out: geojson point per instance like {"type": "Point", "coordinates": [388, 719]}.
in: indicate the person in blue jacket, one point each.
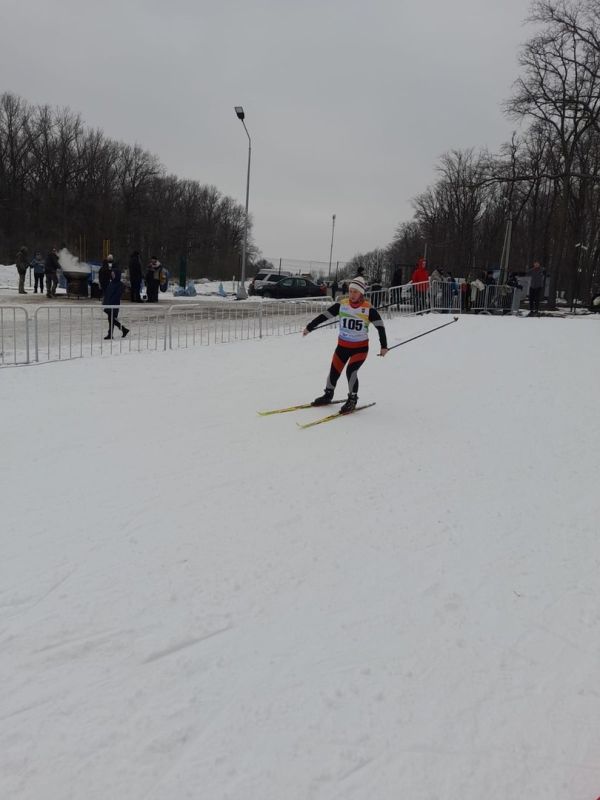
{"type": "Point", "coordinates": [112, 297]}
{"type": "Point", "coordinates": [38, 265]}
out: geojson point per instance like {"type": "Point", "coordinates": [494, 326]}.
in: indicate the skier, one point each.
{"type": "Point", "coordinates": [355, 313]}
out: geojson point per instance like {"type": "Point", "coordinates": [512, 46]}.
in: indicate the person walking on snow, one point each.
{"type": "Point", "coordinates": [355, 314]}
{"type": "Point", "coordinates": [112, 297]}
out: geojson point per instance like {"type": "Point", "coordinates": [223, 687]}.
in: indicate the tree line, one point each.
{"type": "Point", "coordinates": [543, 185]}
{"type": "Point", "coordinates": [62, 184]}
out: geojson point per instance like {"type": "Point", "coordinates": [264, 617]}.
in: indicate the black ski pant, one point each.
{"type": "Point", "coordinates": [38, 280]}
{"type": "Point", "coordinates": [113, 322]}
{"type": "Point", "coordinates": [535, 295]}
{"type": "Point", "coordinates": [136, 286]}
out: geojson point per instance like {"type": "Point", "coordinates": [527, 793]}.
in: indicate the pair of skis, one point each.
{"type": "Point", "coordinates": [328, 418]}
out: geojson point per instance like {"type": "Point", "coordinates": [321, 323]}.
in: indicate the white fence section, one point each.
{"type": "Point", "coordinates": [445, 297]}
{"type": "Point", "coordinates": [64, 332]}
{"type": "Point", "coordinates": [14, 335]}
{"type": "Point", "coordinates": [494, 299]}
{"type": "Point", "coordinates": [58, 332]}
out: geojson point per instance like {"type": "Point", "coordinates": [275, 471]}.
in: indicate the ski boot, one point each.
{"type": "Point", "coordinates": [350, 403]}
{"type": "Point", "coordinates": [325, 398]}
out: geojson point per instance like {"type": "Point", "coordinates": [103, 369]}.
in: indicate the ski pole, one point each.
{"type": "Point", "coordinates": [439, 327]}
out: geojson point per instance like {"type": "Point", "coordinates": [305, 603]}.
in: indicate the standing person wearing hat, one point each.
{"type": "Point", "coordinates": [356, 314]}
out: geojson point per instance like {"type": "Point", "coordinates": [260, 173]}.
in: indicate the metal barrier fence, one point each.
{"type": "Point", "coordinates": [494, 300]}
{"type": "Point", "coordinates": [446, 297]}
{"type": "Point", "coordinates": [14, 335]}
{"type": "Point", "coordinates": [58, 332]}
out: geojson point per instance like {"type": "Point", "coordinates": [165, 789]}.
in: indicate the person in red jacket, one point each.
{"type": "Point", "coordinates": [420, 281]}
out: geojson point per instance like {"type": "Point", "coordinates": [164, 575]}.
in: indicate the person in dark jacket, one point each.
{"type": "Point", "coordinates": [21, 263]}
{"type": "Point", "coordinates": [536, 287]}
{"type": "Point", "coordinates": [112, 297]}
{"type": "Point", "coordinates": [135, 276]}
{"type": "Point", "coordinates": [152, 280]}
{"type": "Point", "coordinates": [104, 274]}
{"type": "Point", "coordinates": [52, 265]}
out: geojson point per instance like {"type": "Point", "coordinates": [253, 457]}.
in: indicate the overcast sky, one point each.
{"type": "Point", "coordinates": [349, 104]}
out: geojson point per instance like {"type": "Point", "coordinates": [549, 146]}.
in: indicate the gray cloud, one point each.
{"type": "Point", "coordinates": [349, 104]}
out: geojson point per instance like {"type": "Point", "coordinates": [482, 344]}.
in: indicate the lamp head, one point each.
{"type": "Point", "coordinates": [240, 112]}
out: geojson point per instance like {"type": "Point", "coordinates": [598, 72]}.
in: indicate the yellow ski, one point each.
{"type": "Point", "coordinates": [294, 408]}
{"type": "Point", "coordinates": [331, 417]}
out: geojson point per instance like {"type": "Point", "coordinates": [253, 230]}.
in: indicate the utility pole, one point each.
{"type": "Point", "coordinates": [331, 248]}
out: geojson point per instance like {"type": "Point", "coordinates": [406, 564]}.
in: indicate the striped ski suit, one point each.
{"type": "Point", "coordinates": [353, 338]}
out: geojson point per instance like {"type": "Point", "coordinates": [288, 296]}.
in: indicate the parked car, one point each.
{"type": "Point", "coordinates": [265, 277]}
{"type": "Point", "coordinates": [290, 287]}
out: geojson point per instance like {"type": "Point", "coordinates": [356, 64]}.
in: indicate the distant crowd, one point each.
{"type": "Point", "coordinates": [153, 277]}
{"type": "Point", "coordinates": [464, 292]}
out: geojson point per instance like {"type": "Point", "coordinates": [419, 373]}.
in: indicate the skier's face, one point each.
{"type": "Point", "coordinates": [354, 295]}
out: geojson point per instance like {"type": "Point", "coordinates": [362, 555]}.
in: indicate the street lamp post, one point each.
{"type": "Point", "coordinates": [331, 248]}
{"type": "Point", "coordinates": [241, 290]}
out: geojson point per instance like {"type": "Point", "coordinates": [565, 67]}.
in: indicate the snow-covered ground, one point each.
{"type": "Point", "coordinates": [198, 602]}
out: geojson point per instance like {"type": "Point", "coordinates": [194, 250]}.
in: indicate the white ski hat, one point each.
{"type": "Point", "coordinates": [359, 284]}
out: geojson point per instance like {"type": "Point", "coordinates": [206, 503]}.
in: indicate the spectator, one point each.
{"type": "Point", "coordinates": [516, 287]}
{"type": "Point", "coordinates": [135, 276]}
{"type": "Point", "coordinates": [21, 264]}
{"type": "Point", "coordinates": [420, 281]}
{"type": "Point", "coordinates": [353, 343]}
{"type": "Point", "coordinates": [536, 286]}
{"type": "Point", "coordinates": [104, 274]}
{"type": "Point", "coordinates": [345, 288]}
{"type": "Point", "coordinates": [112, 297]}
{"type": "Point", "coordinates": [152, 279]}
{"type": "Point", "coordinates": [453, 290]}
{"type": "Point", "coordinates": [465, 296]}
{"type": "Point", "coordinates": [51, 270]}
{"type": "Point", "coordinates": [334, 288]}
{"type": "Point", "coordinates": [38, 266]}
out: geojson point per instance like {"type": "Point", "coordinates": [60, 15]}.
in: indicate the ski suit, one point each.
{"type": "Point", "coordinates": [353, 338]}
